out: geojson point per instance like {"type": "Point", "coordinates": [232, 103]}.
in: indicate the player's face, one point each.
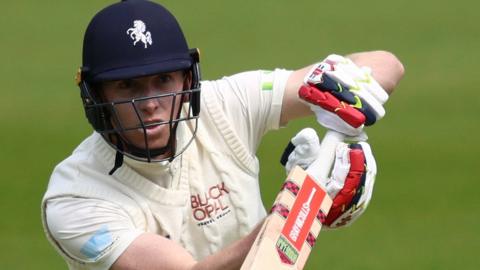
{"type": "Point", "coordinates": [162, 108]}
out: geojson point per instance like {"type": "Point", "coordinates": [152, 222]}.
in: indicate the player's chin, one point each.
{"type": "Point", "coordinates": [157, 143]}
{"type": "Point", "coordinates": [157, 136]}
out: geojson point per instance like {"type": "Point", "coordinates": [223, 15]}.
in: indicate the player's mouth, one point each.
{"type": "Point", "coordinates": [153, 127]}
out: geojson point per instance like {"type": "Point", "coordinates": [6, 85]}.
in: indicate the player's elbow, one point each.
{"type": "Point", "coordinates": [395, 69]}
{"type": "Point", "coordinates": [397, 66]}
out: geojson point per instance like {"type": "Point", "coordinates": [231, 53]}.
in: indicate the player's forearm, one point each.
{"type": "Point", "coordinates": [153, 252]}
{"type": "Point", "coordinates": [231, 257]}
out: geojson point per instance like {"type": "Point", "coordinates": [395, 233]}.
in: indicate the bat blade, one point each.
{"type": "Point", "coordinates": [290, 231]}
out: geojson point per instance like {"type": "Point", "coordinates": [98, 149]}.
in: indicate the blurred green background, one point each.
{"type": "Point", "coordinates": [425, 210]}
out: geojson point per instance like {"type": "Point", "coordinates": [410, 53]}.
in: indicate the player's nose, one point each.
{"type": "Point", "coordinates": [149, 105]}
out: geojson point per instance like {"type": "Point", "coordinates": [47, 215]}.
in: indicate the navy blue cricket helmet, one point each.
{"type": "Point", "coordinates": [131, 39]}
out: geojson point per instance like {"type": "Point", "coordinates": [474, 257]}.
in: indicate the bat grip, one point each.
{"type": "Point", "coordinates": [322, 166]}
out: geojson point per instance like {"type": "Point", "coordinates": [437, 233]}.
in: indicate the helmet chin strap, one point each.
{"type": "Point", "coordinates": [140, 152]}
{"type": "Point", "coordinates": [118, 156]}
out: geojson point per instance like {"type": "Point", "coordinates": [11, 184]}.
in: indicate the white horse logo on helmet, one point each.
{"type": "Point", "coordinates": [137, 33]}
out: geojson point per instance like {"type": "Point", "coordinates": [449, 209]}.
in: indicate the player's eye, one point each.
{"type": "Point", "coordinates": [124, 84]}
{"type": "Point", "coordinates": [164, 78]}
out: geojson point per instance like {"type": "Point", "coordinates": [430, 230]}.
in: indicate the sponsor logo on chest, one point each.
{"type": "Point", "coordinates": [211, 205]}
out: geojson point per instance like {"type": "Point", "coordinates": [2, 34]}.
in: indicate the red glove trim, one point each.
{"type": "Point", "coordinates": [330, 103]}
{"type": "Point", "coordinates": [352, 185]}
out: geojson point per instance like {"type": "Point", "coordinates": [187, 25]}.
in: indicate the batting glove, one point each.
{"type": "Point", "coordinates": [351, 182]}
{"type": "Point", "coordinates": [343, 96]}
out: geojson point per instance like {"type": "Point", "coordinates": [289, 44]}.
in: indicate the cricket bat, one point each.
{"type": "Point", "coordinates": [291, 229]}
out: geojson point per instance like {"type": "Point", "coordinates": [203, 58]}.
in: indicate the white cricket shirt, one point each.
{"type": "Point", "coordinates": [205, 199]}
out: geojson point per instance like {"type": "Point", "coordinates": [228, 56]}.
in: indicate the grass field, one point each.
{"type": "Point", "coordinates": [424, 214]}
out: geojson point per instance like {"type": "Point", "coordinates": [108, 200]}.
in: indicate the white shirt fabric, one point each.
{"type": "Point", "coordinates": [204, 199]}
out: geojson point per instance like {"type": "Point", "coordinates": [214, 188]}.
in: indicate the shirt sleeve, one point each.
{"type": "Point", "coordinates": [92, 232]}
{"type": "Point", "coordinates": [252, 102]}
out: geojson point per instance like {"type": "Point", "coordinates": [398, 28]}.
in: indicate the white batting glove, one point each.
{"type": "Point", "coordinates": [351, 182]}
{"type": "Point", "coordinates": [343, 96]}
{"type": "Point", "coordinates": [302, 150]}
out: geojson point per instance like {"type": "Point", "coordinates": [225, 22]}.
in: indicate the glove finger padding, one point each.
{"type": "Point", "coordinates": [343, 70]}
{"type": "Point", "coordinates": [354, 94]}
{"type": "Point", "coordinates": [351, 184]}
{"type": "Point", "coordinates": [362, 78]}
{"type": "Point", "coordinates": [333, 83]}
{"type": "Point", "coordinates": [340, 170]}
{"type": "Point", "coordinates": [336, 86]}
{"type": "Point", "coordinates": [359, 82]}
{"type": "Point", "coordinates": [302, 150]}
{"type": "Point", "coordinates": [331, 103]}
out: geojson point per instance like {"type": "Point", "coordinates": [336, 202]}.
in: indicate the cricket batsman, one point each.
{"type": "Point", "coordinates": [168, 179]}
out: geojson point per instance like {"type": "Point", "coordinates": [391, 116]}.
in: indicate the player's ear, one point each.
{"type": "Point", "coordinates": [187, 82]}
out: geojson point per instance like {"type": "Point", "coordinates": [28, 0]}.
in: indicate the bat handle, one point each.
{"type": "Point", "coordinates": [322, 166]}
